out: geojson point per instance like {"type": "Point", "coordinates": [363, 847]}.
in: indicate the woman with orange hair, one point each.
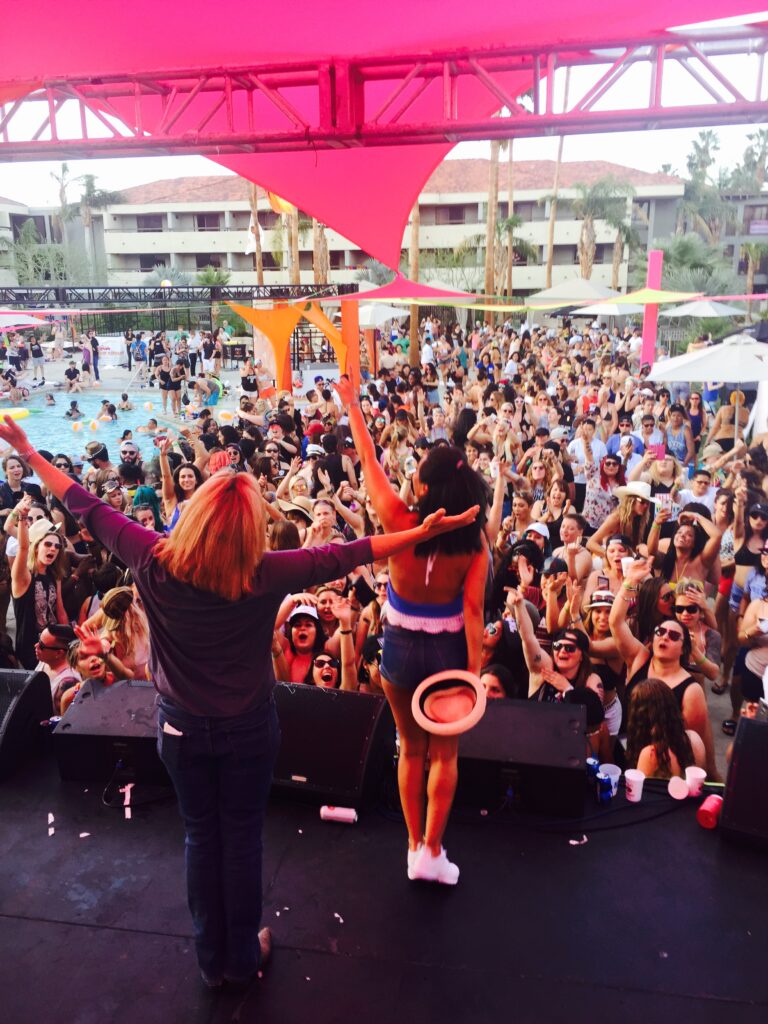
{"type": "Point", "coordinates": [211, 591]}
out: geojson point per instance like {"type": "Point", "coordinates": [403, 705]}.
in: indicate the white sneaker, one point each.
{"type": "Point", "coordinates": [412, 855]}
{"type": "Point", "coordinates": [428, 868]}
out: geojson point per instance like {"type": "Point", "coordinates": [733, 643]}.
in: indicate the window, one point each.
{"type": "Point", "coordinates": [150, 222]}
{"type": "Point", "coordinates": [203, 260]}
{"type": "Point", "coordinates": [336, 259]}
{"type": "Point", "coordinates": [149, 261]}
{"type": "Point", "coordinates": [268, 219]}
{"type": "Point", "coordinates": [450, 215]}
{"type": "Point", "coordinates": [206, 221]}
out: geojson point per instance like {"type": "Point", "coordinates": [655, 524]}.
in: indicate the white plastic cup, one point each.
{"type": "Point", "coordinates": [677, 788]}
{"type": "Point", "coordinates": [695, 778]}
{"type": "Point", "coordinates": [626, 564]}
{"type": "Point", "coordinates": [633, 781]}
{"type": "Point", "coordinates": [614, 774]}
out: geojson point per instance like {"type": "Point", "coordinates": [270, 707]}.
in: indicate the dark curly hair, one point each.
{"type": "Point", "coordinates": [656, 720]}
{"type": "Point", "coordinates": [452, 485]}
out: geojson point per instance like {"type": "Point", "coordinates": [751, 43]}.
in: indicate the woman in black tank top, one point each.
{"type": "Point", "coordinates": [666, 660]}
{"type": "Point", "coordinates": [36, 577]}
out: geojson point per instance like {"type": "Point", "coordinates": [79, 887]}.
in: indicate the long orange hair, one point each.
{"type": "Point", "coordinates": [220, 538]}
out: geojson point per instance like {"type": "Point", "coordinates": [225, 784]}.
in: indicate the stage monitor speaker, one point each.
{"type": "Point", "coordinates": [528, 752]}
{"type": "Point", "coordinates": [110, 726]}
{"type": "Point", "coordinates": [336, 745]}
{"type": "Point", "coordinates": [25, 702]}
{"type": "Point", "coordinates": [745, 804]}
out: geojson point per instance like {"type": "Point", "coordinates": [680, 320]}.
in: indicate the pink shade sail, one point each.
{"type": "Point", "coordinates": [404, 290]}
{"type": "Point", "coordinates": [365, 194]}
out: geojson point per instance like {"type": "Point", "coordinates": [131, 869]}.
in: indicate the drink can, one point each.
{"type": "Point", "coordinates": [604, 789]}
{"type": "Point", "coordinates": [593, 767]}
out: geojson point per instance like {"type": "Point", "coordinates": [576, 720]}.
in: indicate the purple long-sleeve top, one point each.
{"type": "Point", "coordinates": [211, 656]}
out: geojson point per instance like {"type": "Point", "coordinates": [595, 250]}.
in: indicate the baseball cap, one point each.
{"type": "Point", "coordinates": [303, 609]}
{"type": "Point", "coordinates": [129, 446]}
{"type": "Point", "coordinates": [347, 442]}
{"type": "Point", "coordinates": [41, 528]}
{"type": "Point", "coordinates": [559, 433]}
{"type": "Point", "coordinates": [555, 566]}
{"type": "Point", "coordinates": [539, 528]}
{"type": "Point", "coordinates": [315, 427]}
{"type": "Point", "coordinates": [315, 449]}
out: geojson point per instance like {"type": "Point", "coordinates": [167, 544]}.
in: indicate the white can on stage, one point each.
{"type": "Point", "coordinates": [346, 814]}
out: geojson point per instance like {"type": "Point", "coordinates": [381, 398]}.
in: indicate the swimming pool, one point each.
{"type": "Point", "coordinates": [49, 429]}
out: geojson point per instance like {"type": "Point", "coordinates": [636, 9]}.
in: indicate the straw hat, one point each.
{"type": "Point", "coordinates": [636, 489]}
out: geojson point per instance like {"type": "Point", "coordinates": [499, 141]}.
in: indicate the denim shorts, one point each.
{"type": "Point", "coordinates": [409, 656]}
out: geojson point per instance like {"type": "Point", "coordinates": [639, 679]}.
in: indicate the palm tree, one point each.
{"type": "Point", "coordinates": [35, 261]}
{"type": "Point", "coordinates": [258, 256]}
{"type": "Point", "coordinates": [625, 236]}
{"type": "Point", "coordinates": [65, 211]}
{"type": "Point", "coordinates": [320, 260]}
{"type": "Point", "coordinates": [510, 214]}
{"type": "Point", "coordinates": [211, 275]}
{"type": "Point", "coordinates": [414, 357]}
{"type": "Point", "coordinates": [375, 272]}
{"type": "Point", "coordinates": [690, 265]}
{"type": "Point", "coordinates": [502, 251]}
{"type": "Point", "coordinates": [93, 199]}
{"type": "Point", "coordinates": [598, 201]}
{"type": "Point", "coordinates": [173, 274]}
{"type": "Point", "coordinates": [754, 253]}
{"type": "Point", "coordinates": [492, 216]}
{"type": "Point", "coordinates": [555, 187]}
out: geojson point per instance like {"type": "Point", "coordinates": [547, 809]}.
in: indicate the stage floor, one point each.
{"type": "Point", "coordinates": [658, 921]}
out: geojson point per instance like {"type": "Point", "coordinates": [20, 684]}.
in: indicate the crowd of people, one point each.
{"type": "Point", "coordinates": [625, 528]}
{"type": "Point", "coordinates": [523, 505]}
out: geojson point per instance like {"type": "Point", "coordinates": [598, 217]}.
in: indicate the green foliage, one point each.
{"type": "Point", "coordinates": [375, 272]}
{"type": "Point", "coordinates": [690, 265]}
{"type": "Point", "coordinates": [172, 274]}
{"type": "Point", "coordinates": [211, 275]}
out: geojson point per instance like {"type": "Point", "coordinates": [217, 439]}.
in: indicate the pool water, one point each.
{"type": "Point", "coordinates": [49, 429]}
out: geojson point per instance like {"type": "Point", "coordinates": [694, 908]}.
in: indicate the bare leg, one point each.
{"type": "Point", "coordinates": [441, 787]}
{"type": "Point", "coordinates": [410, 767]}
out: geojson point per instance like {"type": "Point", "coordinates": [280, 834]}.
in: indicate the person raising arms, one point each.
{"type": "Point", "coordinates": [211, 599]}
{"type": "Point", "coordinates": [434, 621]}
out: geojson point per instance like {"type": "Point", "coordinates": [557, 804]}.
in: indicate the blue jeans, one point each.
{"type": "Point", "coordinates": [409, 656]}
{"type": "Point", "coordinates": [95, 365]}
{"type": "Point", "coordinates": [221, 769]}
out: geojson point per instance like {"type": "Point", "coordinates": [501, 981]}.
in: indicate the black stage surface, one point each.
{"type": "Point", "coordinates": [661, 921]}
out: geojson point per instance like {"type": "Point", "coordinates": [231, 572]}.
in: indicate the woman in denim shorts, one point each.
{"type": "Point", "coordinates": [434, 621]}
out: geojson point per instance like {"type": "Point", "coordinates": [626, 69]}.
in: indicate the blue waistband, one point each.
{"type": "Point", "coordinates": [429, 611]}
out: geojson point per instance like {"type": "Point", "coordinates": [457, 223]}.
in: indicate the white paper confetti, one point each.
{"type": "Point", "coordinates": [339, 918]}
{"type": "Point", "coordinates": [51, 829]}
{"type": "Point", "coordinates": [307, 979]}
{"type": "Point", "coordinates": [301, 831]}
{"type": "Point", "coordinates": [84, 835]}
{"type": "Point", "coordinates": [483, 813]}
{"type": "Point", "coordinates": [286, 908]}
{"type": "Point", "coordinates": [126, 791]}
{"type": "Point", "coordinates": [578, 842]}
{"type": "Point", "coordinates": [663, 955]}
{"type": "Point", "coordinates": [277, 913]}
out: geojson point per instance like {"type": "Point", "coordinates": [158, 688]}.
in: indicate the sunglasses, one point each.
{"type": "Point", "coordinates": [47, 647]}
{"type": "Point", "coordinates": [379, 586]}
{"type": "Point", "coordinates": [566, 646]}
{"type": "Point", "coordinates": [63, 465]}
{"type": "Point", "coordinates": [611, 462]}
{"type": "Point", "coordinates": [324, 662]}
{"type": "Point", "coordinates": [52, 545]}
{"type": "Point", "coordinates": [662, 631]}
{"type": "Point", "coordinates": [759, 515]}
{"type": "Point", "coordinates": [681, 609]}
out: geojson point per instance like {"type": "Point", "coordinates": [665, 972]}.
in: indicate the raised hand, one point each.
{"type": "Point", "coordinates": [438, 522]}
{"type": "Point", "coordinates": [346, 391]}
{"type": "Point", "coordinates": [12, 434]}
{"type": "Point", "coordinates": [90, 641]}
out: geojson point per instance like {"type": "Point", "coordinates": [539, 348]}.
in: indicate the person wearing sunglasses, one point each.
{"type": "Point", "coordinates": [36, 575]}
{"type": "Point", "coordinates": [692, 610]}
{"type": "Point", "coordinates": [567, 668]}
{"type": "Point", "coordinates": [693, 548]}
{"type": "Point", "coordinates": [600, 498]}
{"type": "Point", "coordinates": [51, 650]}
{"type": "Point", "coordinates": [668, 659]}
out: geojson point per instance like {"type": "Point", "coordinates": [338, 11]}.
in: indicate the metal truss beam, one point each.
{"type": "Point", "coordinates": [263, 108]}
{"type": "Point", "coordinates": [79, 296]}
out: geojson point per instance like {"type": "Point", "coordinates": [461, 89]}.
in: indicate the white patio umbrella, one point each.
{"type": "Point", "coordinates": [608, 309]}
{"type": "Point", "coordinates": [375, 314]}
{"type": "Point", "coordinates": [8, 321]}
{"type": "Point", "coordinates": [737, 360]}
{"type": "Point", "coordinates": [703, 308]}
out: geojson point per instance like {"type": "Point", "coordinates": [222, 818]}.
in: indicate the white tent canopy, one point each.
{"type": "Point", "coordinates": [703, 308]}
{"type": "Point", "coordinates": [10, 321]}
{"type": "Point", "coordinates": [570, 292]}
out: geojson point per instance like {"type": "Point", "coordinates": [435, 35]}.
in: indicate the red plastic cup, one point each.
{"type": "Point", "coordinates": [708, 813]}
